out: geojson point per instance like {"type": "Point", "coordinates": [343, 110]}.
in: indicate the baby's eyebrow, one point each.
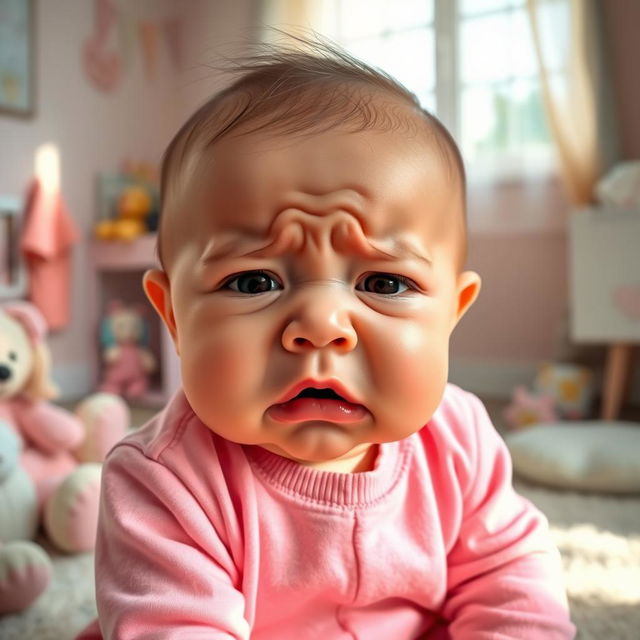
{"type": "Point", "coordinates": [255, 246]}
{"type": "Point", "coordinates": [218, 248]}
{"type": "Point", "coordinates": [400, 249]}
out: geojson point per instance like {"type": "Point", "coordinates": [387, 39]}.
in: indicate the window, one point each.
{"type": "Point", "coordinates": [472, 63]}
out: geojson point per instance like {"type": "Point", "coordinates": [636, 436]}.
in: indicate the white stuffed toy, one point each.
{"type": "Point", "coordinates": [60, 450]}
{"type": "Point", "coordinates": [25, 568]}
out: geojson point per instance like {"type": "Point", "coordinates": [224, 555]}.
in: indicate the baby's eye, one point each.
{"type": "Point", "coordinates": [385, 284]}
{"type": "Point", "coordinates": [252, 282]}
{"type": "Point", "coordinates": [13, 356]}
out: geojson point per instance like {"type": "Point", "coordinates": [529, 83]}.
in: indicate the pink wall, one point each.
{"type": "Point", "coordinates": [95, 130]}
{"type": "Point", "coordinates": [622, 30]}
{"type": "Point", "coordinates": [519, 313]}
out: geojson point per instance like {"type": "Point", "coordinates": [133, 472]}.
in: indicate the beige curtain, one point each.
{"type": "Point", "coordinates": [570, 98]}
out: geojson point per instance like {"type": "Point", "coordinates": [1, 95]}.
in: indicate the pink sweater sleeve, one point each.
{"type": "Point", "coordinates": [504, 574]}
{"type": "Point", "coordinates": [160, 565]}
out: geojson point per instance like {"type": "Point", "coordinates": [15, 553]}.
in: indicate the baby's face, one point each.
{"type": "Point", "coordinates": [312, 287]}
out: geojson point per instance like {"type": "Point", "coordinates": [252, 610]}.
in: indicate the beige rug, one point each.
{"type": "Point", "coordinates": [599, 537]}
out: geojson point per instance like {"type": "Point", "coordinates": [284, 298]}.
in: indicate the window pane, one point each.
{"type": "Point", "coordinates": [504, 119]}
{"type": "Point", "coordinates": [521, 50]}
{"type": "Point", "coordinates": [408, 14]}
{"type": "Point", "coordinates": [472, 7]}
{"type": "Point", "coordinates": [555, 27]}
{"type": "Point", "coordinates": [366, 18]}
{"type": "Point", "coordinates": [429, 101]}
{"type": "Point", "coordinates": [478, 118]}
{"type": "Point", "coordinates": [408, 56]}
{"type": "Point", "coordinates": [496, 47]}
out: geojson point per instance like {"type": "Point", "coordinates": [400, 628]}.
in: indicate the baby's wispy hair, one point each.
{"type": "Point", "coordinates": [306, 88]}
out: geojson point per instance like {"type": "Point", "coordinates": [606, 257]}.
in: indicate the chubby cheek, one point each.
{"type": "Point", "coordinates": [222, 369]}
{"type": "Point", "coordinates": [411, 372]}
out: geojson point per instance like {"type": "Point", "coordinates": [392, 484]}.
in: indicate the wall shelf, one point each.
{"type": "Point", "coordinates": [138, 254]}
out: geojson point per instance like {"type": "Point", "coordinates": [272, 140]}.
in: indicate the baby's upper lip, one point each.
{"type": "Point", "coordinates": [309, 383]}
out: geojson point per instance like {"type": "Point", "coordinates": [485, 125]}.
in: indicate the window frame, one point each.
{"type": "Point", "coordinates": [449, 89]}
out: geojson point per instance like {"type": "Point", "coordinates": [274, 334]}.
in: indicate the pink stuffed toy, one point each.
{"type": "Point", "coordinates": [127, 360]}
{"type": "Point", "coordinates": [59, 450]}
{"type": "Point", "coordinates": [527, 409]}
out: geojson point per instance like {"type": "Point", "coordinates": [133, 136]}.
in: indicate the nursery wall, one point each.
{"type": "Point", "coordinates": [94, 130]}
{"type": "Point", "coordinates": [621, 21]}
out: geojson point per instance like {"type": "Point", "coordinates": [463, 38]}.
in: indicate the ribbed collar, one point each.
{"type": "Point", "coordinates": [330, 487]}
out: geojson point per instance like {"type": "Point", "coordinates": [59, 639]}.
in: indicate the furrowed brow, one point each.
{"type": "Point", "coordinates": [400, 249]}
{"type": "Point", "coordinates": [256, 247]}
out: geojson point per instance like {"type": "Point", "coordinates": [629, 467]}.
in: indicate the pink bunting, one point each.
{"type": "Point", "coordinates": [173, 38]}
{"type": "Point", "coordinates": [148, 34]}
{"type": "Point", "coordinates": [102, 65]}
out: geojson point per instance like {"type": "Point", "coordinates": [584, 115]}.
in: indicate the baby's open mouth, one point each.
{"type": "Point", "coordinates": [310, 392]}
{"type": "Point", "coordinates": [323, 404]}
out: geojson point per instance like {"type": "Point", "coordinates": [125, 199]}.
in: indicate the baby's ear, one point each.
{"type": "Point", "coordinates": [158, 289]}
{"type": "Point", "coordinates": [468, 288]}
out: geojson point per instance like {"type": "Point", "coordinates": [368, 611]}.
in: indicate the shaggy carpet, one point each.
{"type": "Point", "coordinates": [599, 539]}
{"type": "Point", "coordinates": [598, 536]}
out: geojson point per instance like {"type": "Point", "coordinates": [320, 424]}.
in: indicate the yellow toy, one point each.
{"type": "Point", "coordinates": [134, 205]}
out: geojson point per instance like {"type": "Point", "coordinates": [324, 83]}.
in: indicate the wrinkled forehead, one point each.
{"type": "Point", "coordinates": [390, 181]}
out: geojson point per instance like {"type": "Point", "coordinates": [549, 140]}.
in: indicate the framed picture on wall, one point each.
{"type": "Point", "coordinates": [13, 274]}
{"type": "Point", "coordinates": [17, 57]}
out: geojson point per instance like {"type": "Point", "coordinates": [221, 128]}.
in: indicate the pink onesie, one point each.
{"type": "Point", "coordinates": [203, 538]}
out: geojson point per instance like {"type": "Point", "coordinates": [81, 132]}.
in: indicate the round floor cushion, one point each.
{"type": "Point", "coordinates": [590, 455]}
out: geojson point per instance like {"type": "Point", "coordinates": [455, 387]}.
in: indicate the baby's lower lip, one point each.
{"type": "Point", "coordinates": [334, 410]}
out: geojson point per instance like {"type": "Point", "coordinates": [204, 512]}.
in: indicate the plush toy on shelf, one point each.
{"type": "Point", "coordinates": [128, 362]}
{"type": "Point", "coordinates": [59, 450]}
{"type": "Point", "coordinates": [134, 205]}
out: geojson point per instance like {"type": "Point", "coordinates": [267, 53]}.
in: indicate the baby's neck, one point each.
{"type": "Point", "coordinates": [360, 461]}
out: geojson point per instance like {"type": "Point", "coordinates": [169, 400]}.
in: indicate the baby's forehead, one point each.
{"type": "Point", "coordinates": [385, 186]}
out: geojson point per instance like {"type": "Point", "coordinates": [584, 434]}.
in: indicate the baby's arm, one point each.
{"type": "Point", "coordinates": [504, 574]}
{"type": "Point", "coordinates": [162, 571]}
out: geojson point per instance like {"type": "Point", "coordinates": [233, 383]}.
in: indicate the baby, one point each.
{"type": "Point", "coordinates": [316, 476]}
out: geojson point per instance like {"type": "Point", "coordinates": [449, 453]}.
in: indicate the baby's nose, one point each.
{"type": "Point", "coordinates": [5, 372]}
{"type": "Point", "coordinates": [321, 318]}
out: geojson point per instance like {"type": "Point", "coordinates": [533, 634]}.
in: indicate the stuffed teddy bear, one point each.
{"type": "Point", "coordinates": [128, 362]}
{"type": "Point", "coordinates": [60, 451]}
{"type": "Point", "coordinates": [25, 568]}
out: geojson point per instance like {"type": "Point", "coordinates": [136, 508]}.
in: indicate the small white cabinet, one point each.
{"type": "Point", "coordinates": [604, 273]}
{"type": "Point", "coordinates": [119, 267]}
{"type": "Point", "coordinates": [605, 276]}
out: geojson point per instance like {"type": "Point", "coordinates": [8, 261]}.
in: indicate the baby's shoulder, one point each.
{"type": "Point", "coordinates": [457, 423]}
{"type": "Point", "coordinates": [174, 434]}
{"type": "Point", "coordinates": [163, 430]}
{"type": "Point", "coordinates": [176, 447]}
{"type": "Point", "coordinates": [459, 406]}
